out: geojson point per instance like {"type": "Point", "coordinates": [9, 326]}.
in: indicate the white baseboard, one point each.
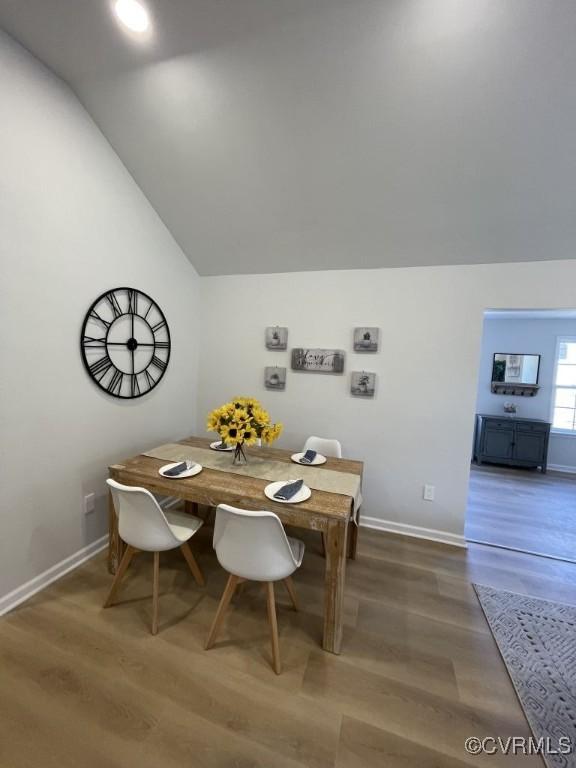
{"type": "Point", "coordinates": [413, 530]}
{"type": "Point", "coordinates": [20, 594]}
{"type": "Point", "coordinates": [562, 468]}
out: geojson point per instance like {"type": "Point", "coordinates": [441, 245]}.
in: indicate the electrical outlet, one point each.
{"type": "Point", "coordinates": [89, 503]}
{"type": "Point", "coordinates": [429, 492]}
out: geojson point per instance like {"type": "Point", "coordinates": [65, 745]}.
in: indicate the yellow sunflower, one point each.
{"type": "Point", "coordinates": [240, 415]}
{"type": "Point", "coordinates": [246, 402]}
{"type": "Point", "coordinates": [232, 434]}
{"type": "Point", "coordinates": [250, 437]}
{"type": "Point", "coordinates": [261, 416]}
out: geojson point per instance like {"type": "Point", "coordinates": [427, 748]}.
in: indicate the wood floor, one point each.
{"type": "Point", "coordinates": [81, 687]}
{"type": "Point", "coordinates": [523, 509]}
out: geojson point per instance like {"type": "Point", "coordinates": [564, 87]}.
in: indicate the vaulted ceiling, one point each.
{"type": "Point", "coordinates": [282, 135]}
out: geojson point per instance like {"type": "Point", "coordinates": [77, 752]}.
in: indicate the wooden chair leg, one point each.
{"type": "Point", "coordinates": [224, 602]}
{"type": "Point", "coordinates": [122, 568]}
{"type": "Point", "coordinates": [273, 627]}
{"type": "Point", "coordinates": [191, 560]}
{"type": "Point", "coordinates": [289, 584]}
{"type": "Point", "coordinates": [155, 593]}
{"type": "Point", "coordinates": [323, 539]}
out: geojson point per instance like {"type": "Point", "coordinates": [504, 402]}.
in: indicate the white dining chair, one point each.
{"type": "Point", "coordinates": [145, 527]}
{"type": "Point", "coordinates": [327, 447]}
{"type": "Point", "coordinates": [253, 546]}
{"type": "Point", "coordinates": [333, 449]}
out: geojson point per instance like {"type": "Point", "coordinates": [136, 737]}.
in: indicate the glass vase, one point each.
{"type": "Point", "coordinates": [239, 454]}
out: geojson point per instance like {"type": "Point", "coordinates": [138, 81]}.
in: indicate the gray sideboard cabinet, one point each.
{"type": "Point", "coordinates": [511, 440]}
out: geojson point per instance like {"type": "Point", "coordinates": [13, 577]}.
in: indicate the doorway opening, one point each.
{"type": "Point", "coordinates": [522, 493]}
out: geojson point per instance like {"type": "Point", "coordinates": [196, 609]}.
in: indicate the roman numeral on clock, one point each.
{"type": "Point", "coordinates": [115, 383]}
{"type": "Point", "coordinates": [100, 367]}
{"type": "Point", "coordinates": [160, 364]}
{"type": "Point", "coordinates": [92, 342]}
{"type": "Point", "coordinates": [150, 380]}
{"type": "Point", "coordinates": [113, 301]}
{"type": "Point", "coordinates": [95, 316]}
{"type": "Point", "coordinates": [132, 302]}
{"type": "Point", "coordinates": [134, 385]}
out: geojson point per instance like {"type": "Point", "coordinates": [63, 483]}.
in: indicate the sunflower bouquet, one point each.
{"type": "Point", "coordinates": [242, 421]}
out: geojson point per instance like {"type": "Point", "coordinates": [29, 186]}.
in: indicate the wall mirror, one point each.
{"type": "Point", "coordinates": [515, 374]}
{"type": "Point", "coordinates": [515, 369]}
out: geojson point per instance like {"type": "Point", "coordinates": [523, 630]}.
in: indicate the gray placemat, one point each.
{"type": "Point", "coordinates": [319, 479]}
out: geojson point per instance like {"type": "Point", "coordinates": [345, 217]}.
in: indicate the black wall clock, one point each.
{"type": "Point", "coordinates": [125, 343]}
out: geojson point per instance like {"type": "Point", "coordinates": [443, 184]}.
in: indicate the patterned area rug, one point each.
{"type": "Point", "coordinates": [537, 640]}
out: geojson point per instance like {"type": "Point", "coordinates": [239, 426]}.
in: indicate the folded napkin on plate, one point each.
{"type": "Point", "coordinates": [308, 457]}
{"type": "Point", "coordinates": [289, 490]}
{"type": "Point", "coordinates": [178, 469]}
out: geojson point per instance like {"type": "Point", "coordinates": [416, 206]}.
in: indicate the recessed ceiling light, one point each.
{"type": "Point", "coordinates": [132, 14]}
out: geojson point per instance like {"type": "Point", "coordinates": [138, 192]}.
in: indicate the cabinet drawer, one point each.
{"type": "Point", "coordinates": [499, 424]}
{"type": "Point", "coordinates": [532, 427]}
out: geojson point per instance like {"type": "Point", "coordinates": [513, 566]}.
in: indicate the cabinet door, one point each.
{"type": "Point", "coordinates": [530, 446]}
{"type": "Point", "coordinates": [498, 443]}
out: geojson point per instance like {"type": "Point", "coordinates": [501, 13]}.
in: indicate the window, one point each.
{"type": "Point", "coordinates": [564, 396]}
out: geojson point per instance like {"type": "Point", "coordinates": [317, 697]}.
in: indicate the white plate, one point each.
{"type": "Point", "coordinates": [217, 443]}
{"type": "Point", "coordinates": [272, 488]}
{"type": "Point", "coordinates": [196, 469]}
{"type": "Point", "coordinates": [318, 459]}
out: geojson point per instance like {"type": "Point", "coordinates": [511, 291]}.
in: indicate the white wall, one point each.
{"type": "Point", "coordinates": [530, 336]}
{"type": "Point", "coordinates": [72, 224]}
{"type": "Point", "coordinates": [419, 427]}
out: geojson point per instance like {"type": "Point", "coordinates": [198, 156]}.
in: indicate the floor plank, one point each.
{"type": "Point", "coordinates": [522, 509]}
{"type": "Point", "coordinates": [419, 670]}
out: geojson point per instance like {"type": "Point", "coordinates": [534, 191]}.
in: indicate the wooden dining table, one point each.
{"type": "Point", "coordinates": [326, 512]}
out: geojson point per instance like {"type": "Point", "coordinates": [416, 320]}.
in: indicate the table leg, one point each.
{"type": "Point", "coordinates": [191, 508]}
{"type": "Point", "coordinates": [352, 540]}
{"type": "Point", "coordinates": [335, 538]}
{"type": "Point", "coordinates": [115, 543]}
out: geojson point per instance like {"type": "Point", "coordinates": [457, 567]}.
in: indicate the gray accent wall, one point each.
{"type": "Point", "coordinates": [529, 336]}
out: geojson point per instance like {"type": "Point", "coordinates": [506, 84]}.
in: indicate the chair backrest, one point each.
{"type": "Point", "coordinates": [252, 545]}
{"type": "Point", "coordinates": [141, 521]}
{"type": "Point", "coordinates": [329, 448]}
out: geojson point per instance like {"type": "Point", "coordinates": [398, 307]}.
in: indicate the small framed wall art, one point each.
{"type": "Point", "coordinates": [366, 339]}
{"type": "Point", "coordinates": [362, 384]}
{"type": "Point", "coordinates": [275, 378]}
{"type": "Point", "coordinates": [318, 360]}
{"type": "Point", "coordinates": [276, 338]}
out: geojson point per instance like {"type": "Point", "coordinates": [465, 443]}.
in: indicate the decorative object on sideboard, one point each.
{"type": "Point", "coordinates": [275, 378]}
{"type": "Point", "coordinates": [510, 407]}
{"type": "Point", "coordinates": [242, 422]}
{"type": "Point", "coordinates": [276, 338]}
{"type": "Point", "coordinates": [515, 374]}
{"type": "Point", "coordinates": [362, 384]}
{"type": "Point", "coordinates": [125, 343]}
{"type": "Point", "coordinates": [318, 360]}
{"type": "Point", "coordinates": [366, 339]}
